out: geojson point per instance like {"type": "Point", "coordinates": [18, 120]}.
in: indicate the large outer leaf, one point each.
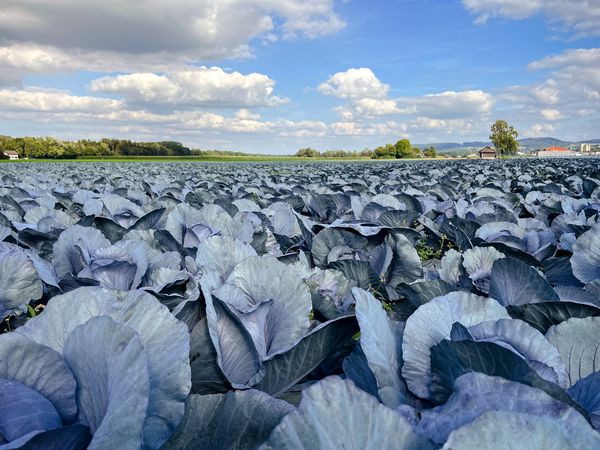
{"type": "Point", "coordinates": [111, 369]}
{"type": "Point", "coordinates": [19, 281]}
{"type": "Point", "coordinates": [149, 220]}
{"type": "Point", "coordinates": [361, 271]}
{"type": "Point", "coordinates": [356, 368]}
{"type": "Point", "coordinates": [330, 238]}
{"type": "Point", "coordinates": [578, 342]}
{"type": "Point", "coordinates": [431, 323]}
{"type": "Point", "coordinates": [288, 368]}
{"type": "Point", "coordinates": [500, 430]}
{"type": "Point", "coordinates": [515, 283]}
{"type": "Point", "coordinates": [475, 393]}
{"type": "Point", "coordinates": [336, 414]}
{"type": "Point", "coordinates": [450, 267]}
{"type": "Point", "coordinates": [256, 280]}
{"type": "Point", "coordinates": [528, 342]}
{"type": "Point", "coordinates": [73, 248]}
{"type": "Point", "coordinates": [586, 392]}
{"type": "Point", "coordinates": [72, 437]}
{"type": "Point", "coordinates": [41, 369]}
{"type": "Point", "coordinates": [207, 376]}
{"type": "Point", "coordinates": [222, 253]}
{"type": "Point", "coordinates": [558, 272]}
{"type": "Point", "coordinates": [450, 360]}
{"type": "Point", "coordinates": [237, 356]}
{"type": "Point", "coordinates": [164, 338]}
{"type": "Point", "coordinates": [478, 262]}
{"type": "Point", "coordinates": [381, 340]}
{"type": "Point", "coordinates": [577, 295]}
{"type": "Point", "coordinates": [250, 416]}
{"type": "Point", "coordinates": [405, 266]}
{"type": "Point", "coordinates": [23, 410]}
{"type": "Point", "coordinates": [586, 255]}
{"type": "Point", "coordinates": [417, 294]}
{"type": "Point", "coordinates": [543, 315]}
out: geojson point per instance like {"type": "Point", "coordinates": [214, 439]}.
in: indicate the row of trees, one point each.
{"type": "Point", "coordinates": [402, 149]}
{"type": "Point", "coordinates": [312, 153]}
{"type": "Point", "coordinates": [48, 147]}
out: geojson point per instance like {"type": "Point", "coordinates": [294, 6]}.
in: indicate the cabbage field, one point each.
{"type": "Point", "coordinates": [348, 305]}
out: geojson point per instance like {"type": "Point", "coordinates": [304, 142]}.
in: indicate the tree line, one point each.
{"type": "Point", "coordinates": [52, 148]}
{"type": "Point", "coordinates": [401, 149]}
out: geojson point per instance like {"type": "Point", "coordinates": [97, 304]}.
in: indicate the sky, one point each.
{"type": "Point", "coordinates": [273, 76]}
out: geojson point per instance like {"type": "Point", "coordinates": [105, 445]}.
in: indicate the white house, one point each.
{"type": "Point", "coordinates": [11, 154]}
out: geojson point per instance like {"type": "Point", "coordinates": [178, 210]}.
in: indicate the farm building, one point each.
{"type": "Point", "coordinates": [487, 153]}
{"type": "Point", "coordinates": [11, 154]}
{"type": "Point", "coordinates": [556, 152]}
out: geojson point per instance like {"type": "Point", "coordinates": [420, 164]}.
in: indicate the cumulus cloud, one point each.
{"type": "Point", "coordinates": [192, 87]}
{"type": "Point", "coordinates": [547, 93]}
{"type": "Point", "coordinates": [354, 84]}
{"type": "Point", "coordinates": [551, 114]}
{"type": "Point", "coordinates": [146, 32]}
{"type": "Point", "coordinates": [581, 17]}
{"type": "Point", "coordinates": [450, 104]}
{"type": "Point", "coordinates": [376, 107]}
{"type": "Point", "coordinates": [574, 80]}
{"type": "Point", "coordinates": [368, 98]}
{"type": "Point", "coordinates": [445, 114]}
{"type": "Point", "coordinates": [581, 57]}
{"type": "Point", "coordinates": [540, 130]}
{"type": "Point", "coordinates": [44, 100]}
{"type": "Point", "coordinates": [566, 99]}
{"type": "Point", "coordinates": [61, 107]}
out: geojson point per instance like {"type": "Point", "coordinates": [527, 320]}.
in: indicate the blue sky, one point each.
{"type": "Point", "coordinates": [272, 76]}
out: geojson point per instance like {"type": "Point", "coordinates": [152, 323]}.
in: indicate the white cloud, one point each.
{"type": "Point", "coordinates": [61, 107]}
{"type": "Point", "coordinates": [514, 9]}
{"type": "Point", "coordinates": [547, 93]}
{"type": "Point", "coordinates": [450, 104]}
{"type": "Point", "coordinates": [573, 83]}
{"type": "Point", "coordinates": [445, 114]}
{"type": "Point", "coordinates": [551, 114]}
{"type": "Point", "coordinates": [246, 114]}
{"type": "Point", "coordinates": [376, 107]}
{"type": "Point", "coordinates": [565, 100]}
{"type": "Point", "coordinates": [60, 35]}
{"type": "Point", "coordinates": [580, 57]}
{"type": "Point", "coordinates": [540, 130]}
{"type": "Point", "coordinates": [53, 101]}
{"type": "Point", "coordinates": [192, 87]}
{"type": "Point", "coordinates": [581, 17]}
{"type": "Point", "coordinates": [355, 84]}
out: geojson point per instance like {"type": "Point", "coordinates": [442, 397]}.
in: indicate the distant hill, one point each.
{"type": "Point", "coordinates": [527, 143]}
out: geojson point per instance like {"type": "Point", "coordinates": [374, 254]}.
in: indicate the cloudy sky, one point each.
{"type": "Point", "coordinates": [272, 76]}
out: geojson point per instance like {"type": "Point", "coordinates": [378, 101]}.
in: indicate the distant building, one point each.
{"type": "Point", "coordinates": [556, 152]}
{"type": "Point", "coordinates": [487, 153]}
{"type": "Point", "coordinates": [585, 148]}
{"type": "Point", "coordinates": [11, 154]}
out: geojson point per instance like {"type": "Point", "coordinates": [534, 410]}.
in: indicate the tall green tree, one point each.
{"type": "Point", "coordinates": [504, 137]}
{"type": "Point", "coordinates": [404, 149]}
{"type": "Point", "coordinates": [430, 152]}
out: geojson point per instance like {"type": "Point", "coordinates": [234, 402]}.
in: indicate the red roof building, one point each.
{"type": "Point", "coordinates": [555, 152]}
{"type": "Point", "coordinates": [556, 149]}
